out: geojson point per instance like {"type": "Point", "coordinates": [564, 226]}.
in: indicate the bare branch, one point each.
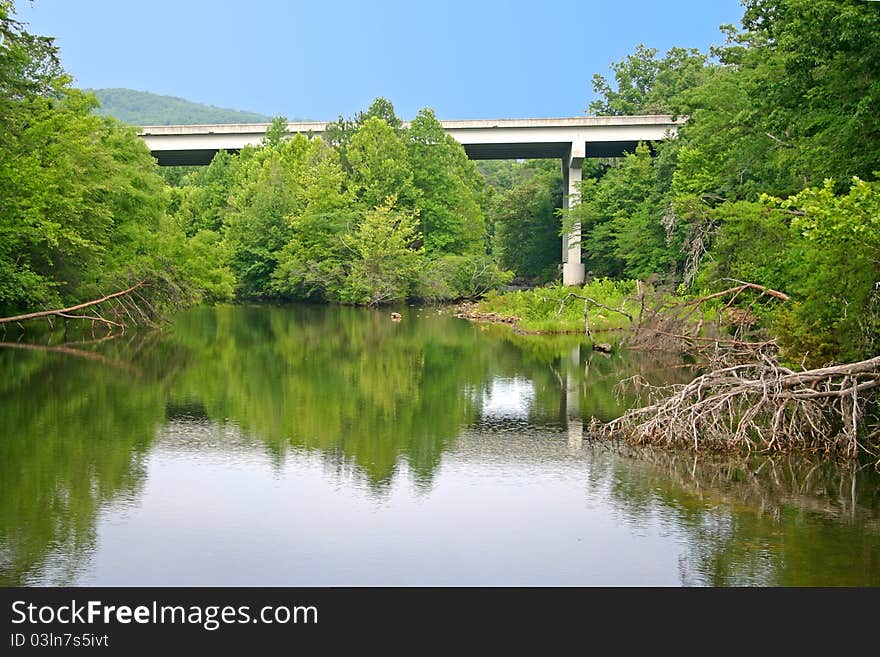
{"type": "Point", "coordinates": [60, 312]}
{"type": "Point", "coordinates": [762, 405]}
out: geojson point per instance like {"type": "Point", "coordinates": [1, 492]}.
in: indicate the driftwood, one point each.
{"type": "Point", "coordinates": [763, 406]}
{"type": "Point", "coordinates": [746, 400]}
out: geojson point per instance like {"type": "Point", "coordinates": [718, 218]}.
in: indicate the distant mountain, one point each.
{"type": "Point", "coordinates": [144, 108]}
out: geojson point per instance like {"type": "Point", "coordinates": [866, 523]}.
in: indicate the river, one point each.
{"type": "Point", "coordinates": [331, 446]}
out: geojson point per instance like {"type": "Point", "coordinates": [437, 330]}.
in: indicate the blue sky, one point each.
{"type": "Point", "coordinates": [465, 59]}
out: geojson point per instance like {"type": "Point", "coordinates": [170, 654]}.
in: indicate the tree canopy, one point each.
{"type": "Point", "coordinates": [375, 212]}
{"type": "Point", "coordinates": [368, 214]}
{"type": "Point", "coordinates": [772, 179]}
{"type": "Point", "coordinates": [82, 207]}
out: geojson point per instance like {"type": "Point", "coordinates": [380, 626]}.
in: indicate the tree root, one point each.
{"type": "Point", "coordinates": [760, 405]}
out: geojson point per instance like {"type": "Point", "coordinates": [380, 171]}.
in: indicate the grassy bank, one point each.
{"type": "Point", "coordinates": [560, 309]}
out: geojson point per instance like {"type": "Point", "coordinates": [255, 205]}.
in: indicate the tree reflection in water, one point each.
{"type": "Point", "coordinates": [368, 395]}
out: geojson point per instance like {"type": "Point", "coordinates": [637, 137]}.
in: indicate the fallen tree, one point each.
{"type": "Point", "coordinates": [142, 304]}
{"type": "Point", "coordinates": [89, 306]}
{"type": "Point", "coordinates": [761, 405]}
{"type": "Point", "coordinates": [671, 324]}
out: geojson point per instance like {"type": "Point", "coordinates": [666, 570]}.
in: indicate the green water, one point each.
{"type": "Point", "coordinates": [331, 446]}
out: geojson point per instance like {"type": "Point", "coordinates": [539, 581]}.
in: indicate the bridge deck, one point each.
{"type": "Point", "coordinates": [603, 136]}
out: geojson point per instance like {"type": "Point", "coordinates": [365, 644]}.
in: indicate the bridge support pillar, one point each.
{"type": "Point", "coordinates": [572, 267]}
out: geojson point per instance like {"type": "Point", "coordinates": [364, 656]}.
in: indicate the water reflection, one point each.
{"type": "Point", "coordinates": [781, 521]}
{"type": "Point", "coordinates": [73, 434]}
{"type": "Point", "coordinates": [426, 451]}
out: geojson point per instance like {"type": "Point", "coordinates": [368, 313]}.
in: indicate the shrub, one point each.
{"type": "Point", "coordinates": [460, 277]}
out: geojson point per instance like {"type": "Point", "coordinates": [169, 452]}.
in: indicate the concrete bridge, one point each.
{"type": "Point", "coordinates": [567, 139]}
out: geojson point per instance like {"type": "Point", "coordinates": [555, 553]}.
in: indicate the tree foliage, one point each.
{"type": "Point", "coordinates": [834, 260]}
{"type": "Point", "coordinates": [787, 108]}
{"type": "Point", "coordinates": [384, 258]}
{"type": "Point", "coordinates": [366, 215]}
{"type": "Point", "coordinates": [451, 218]}
{"type": "Point", "coordinates": [647, 85]}
{"type": "Point", "coordinates": [526, 227]}
{"type": "Point", "coordinates": [371, 213]}
{"type": "Point", "coordinates": [82, 207]}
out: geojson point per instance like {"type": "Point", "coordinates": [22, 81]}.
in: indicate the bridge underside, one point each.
{"type": "Point", "coordinates": [567, 152]}
{"type": "Point", "coordinates": [569, 140]}
{"type": "Point", "coordinates": [545, 150]}
{"type": "Point", "coordinates": [186, 158]}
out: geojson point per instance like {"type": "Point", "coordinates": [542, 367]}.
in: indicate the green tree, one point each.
{"type": "Point", "coordinates": [272, 185]}
{"type": "Point", "coordinates": [82, 206]}
{"type": "Point", "coordinates": [500, 174]}
{"type": "Point", "coordinates": [837, 287]}
{"type": "Point", "coordinates": [30, 70]}
{"type": "Point", "coordinates": [314, 262]}
{"type": "Point", "coordinates": [627, 225]}
{"type": "Point", "coordinates": [815, 84]}
{"type": "Point", "coordinates": [81, 199]}
{"type": "Point", "coordinates": [526, 225]}
{"type": "Point", "coordinates": [647, 85]}
{"type": "Point", "coordinates": [469, 276]}
{"type": "Point", "coordinates": [276, 132]}
{"type": "Point", "coordinates": [380, 166]}
{"type": "Point", "coordinates": [385, 260]}
{"type": "Point", "coordinates": [794, 101]}
{"type": "Point", "coordinates": [381, 108]}
{"type": "Point", "coordinates": [339, 133]}
{"type": "Point", "coordinates": [450, 216]}
{"type": "Point", "coordinates": [201, 202]}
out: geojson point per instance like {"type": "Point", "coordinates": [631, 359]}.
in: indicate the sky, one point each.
{"type": "Point", "coordinates": [321, 59]}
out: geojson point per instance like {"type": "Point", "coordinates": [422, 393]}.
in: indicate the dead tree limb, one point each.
{"type": "Point", "coordinates": [717, 341]}
{"type": "Point", "coordinates": [684, 327]}
{"type": "Point", "coordinates": [739, 288]}
{"type": "Point", "coordinates": [587, 301]}
{"type": "Point", "coordinates": [760, 405]}
{"type": "Point", "coordinates": [91, 318]}
{"type": "Point", "coordinates": [62, 312]}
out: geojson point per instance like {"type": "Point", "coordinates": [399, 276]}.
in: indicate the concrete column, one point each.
{"type": "Point", "coordinates": [572, 267]}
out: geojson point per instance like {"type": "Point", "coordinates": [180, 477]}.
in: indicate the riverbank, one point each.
{"type": "Point", "coordinates": [747, 396]}
{"type": "Point", "coordinates": [600, 306]}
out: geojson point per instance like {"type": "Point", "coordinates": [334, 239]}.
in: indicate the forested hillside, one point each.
{"type": "Point", "coordinates": [144, 108]}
